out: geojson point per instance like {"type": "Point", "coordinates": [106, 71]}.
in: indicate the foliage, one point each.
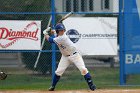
{"type": "Point", "coordinates": [29, 6]}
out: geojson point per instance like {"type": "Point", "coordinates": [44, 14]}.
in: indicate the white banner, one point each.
{"type": "Point", "coordinates": [20, 35]}
{"type": "Point", "coordinates": [93, 35]}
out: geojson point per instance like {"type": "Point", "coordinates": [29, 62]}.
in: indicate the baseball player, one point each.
{"type": "Point", "coordinates": [69, 55]}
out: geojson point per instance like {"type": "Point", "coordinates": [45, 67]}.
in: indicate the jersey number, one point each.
{"type": "Point", "coordinates": [63, 47]}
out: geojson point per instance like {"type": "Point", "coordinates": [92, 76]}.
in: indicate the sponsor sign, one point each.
{"type": "Point", "coordinates": [20, 35]}
{"type": "Point", "coordinates": [132, 36]}
{"type": "Point", "coordinates": [132, 63]}
{"type": "Point", "coordinates": [93, 35]}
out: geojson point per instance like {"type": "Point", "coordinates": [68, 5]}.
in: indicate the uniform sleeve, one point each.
{"type": "Point", "coordinates": [51, 39]}
{"type": "Point", "coordinates": [59, 39]}
{"type": "Point", "coordinates": [56, 40]}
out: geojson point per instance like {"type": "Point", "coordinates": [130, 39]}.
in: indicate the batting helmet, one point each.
{"type": "Point", "coordinates": [59, 27]}
{"type": "Point", "coordinates": [3, 75]}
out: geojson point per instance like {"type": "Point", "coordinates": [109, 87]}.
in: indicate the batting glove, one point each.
{"type": "Point", "coordinates": [45, 32]}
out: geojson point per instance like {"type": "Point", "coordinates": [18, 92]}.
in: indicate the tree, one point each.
{"type": "Point", "coordinates": [29, 58]}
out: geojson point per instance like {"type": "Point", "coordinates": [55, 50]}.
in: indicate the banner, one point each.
{"type": "Point", "coordinates": [93, 35]}
{"type": "Point", "coordinates": [20, 35]}
{"type": "Point", "coordinates": [132, 36]}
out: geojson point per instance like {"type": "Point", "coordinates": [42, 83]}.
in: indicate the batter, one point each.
{"type": "Point", "coordinates": [69, 55]}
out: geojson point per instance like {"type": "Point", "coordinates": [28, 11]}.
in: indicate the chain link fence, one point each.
{"type": "Point", "coordinates": [99, 66]}
{"type": "Point", "coordinates": [19, 64]}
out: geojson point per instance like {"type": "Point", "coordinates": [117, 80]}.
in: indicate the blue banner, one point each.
{"type": "Point", "coordinates": [132, 36]}
{"type": "Point", "coordinates": [132, 62]}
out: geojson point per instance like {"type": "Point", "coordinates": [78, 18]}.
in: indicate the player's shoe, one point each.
{"type": "Point", "coordinates": [51, 88]}
{"type": "Point", "coordinates": [92, 87]}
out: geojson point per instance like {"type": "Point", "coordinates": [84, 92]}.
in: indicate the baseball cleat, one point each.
{"type": "Point", "coordinates": [92, 87]}
{"type": "Point", "coordinates": [51, 88]}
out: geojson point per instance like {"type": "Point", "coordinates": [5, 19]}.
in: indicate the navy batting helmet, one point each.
{"type": "Point", "coordinates": [59, 27]}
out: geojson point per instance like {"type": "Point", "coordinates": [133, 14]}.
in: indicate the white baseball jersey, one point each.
{"type": "Point", "coordinates": [66, 46]}
{"type": "Point", "coordinates": [69, 55]}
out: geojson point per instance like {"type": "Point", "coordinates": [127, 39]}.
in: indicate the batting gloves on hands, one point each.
{"type": "Point", "coordinates": [45, 32]}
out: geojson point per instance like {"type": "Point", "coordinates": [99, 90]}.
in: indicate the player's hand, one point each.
{"type": "Point", "coordinates": [53, 32]}
{"type": "Point", "coordinates": [45, 32]}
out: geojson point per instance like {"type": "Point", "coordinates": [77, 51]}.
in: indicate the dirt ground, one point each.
{"type": "Point", "coordinates": [77, 91]}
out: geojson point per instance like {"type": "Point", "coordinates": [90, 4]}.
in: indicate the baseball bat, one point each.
{"type": "Point", "coordinates": [35, 65]}
{"type": "Point", "coordinates": [65, 17]}
{"type": "Point", "coordinates": [48, 28]}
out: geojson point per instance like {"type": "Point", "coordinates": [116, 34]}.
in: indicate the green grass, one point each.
{"type": "Point", "coordinates": [24, 82]}
{"type": "Point", "coordinates": [103, 78]}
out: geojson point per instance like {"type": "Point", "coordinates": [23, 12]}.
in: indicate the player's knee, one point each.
{"type": "Point", "coordinates": [84, 71]}
{"type": "Point", "coordinates": [59, 72]}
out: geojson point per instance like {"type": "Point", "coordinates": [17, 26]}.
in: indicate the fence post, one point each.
{"type": "Point", "coordinates": [53, 45]}
{"type": "Point", "coordinates": [121, 44]}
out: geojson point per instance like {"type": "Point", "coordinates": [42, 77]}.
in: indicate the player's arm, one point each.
{"type": "Point", "coordinates": [49, 38]}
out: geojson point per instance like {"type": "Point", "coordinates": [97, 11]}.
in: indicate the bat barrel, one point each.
{"type": "Point", "coordinates": [65, 17]}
